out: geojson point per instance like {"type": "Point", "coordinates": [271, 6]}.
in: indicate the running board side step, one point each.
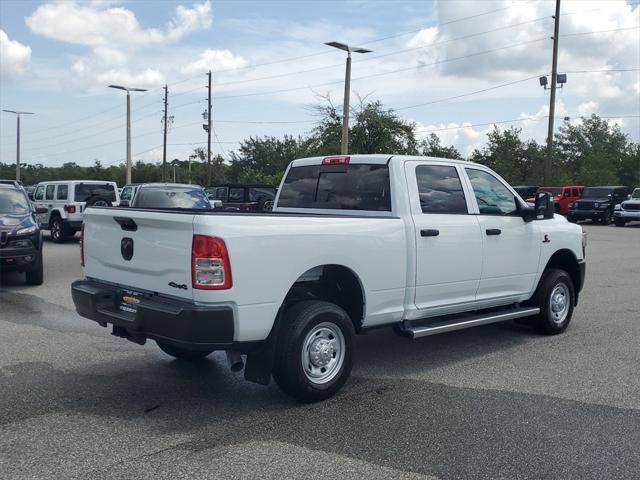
{"type": "Point", "coordinates": [475, 321]}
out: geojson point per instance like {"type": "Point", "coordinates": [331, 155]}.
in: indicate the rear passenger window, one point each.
{"type": "Point", "coordinates": [48, 194]}
{"type": "Point", "coordinates": [440, 189]}
{"type": "Point", "coordinates": [63, 192]}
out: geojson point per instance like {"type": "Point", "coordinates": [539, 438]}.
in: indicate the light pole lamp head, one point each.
{"type": "Point", "coordinates": [543, 81]}
{"type": "Point", "coordinates": [561, 78]}
{"type": "Point", "coordinates": [347, 48]}
{"type": "Point", "coordinates": [128, 89]}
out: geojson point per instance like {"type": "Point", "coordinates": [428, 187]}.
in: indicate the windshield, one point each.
{"type": "Point", "coordinates": [554, 191]}
{"type": "Point", "coordinates": [595, 192]}
{"type": "Point", "coordinates": [171, 197]}
{"type": "Point", "coordinates": [636, 194]}
{"type": "Point", "coordinates": [13, 201]}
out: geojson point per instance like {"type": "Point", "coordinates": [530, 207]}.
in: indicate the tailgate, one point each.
{"type": "Point", "coordinates": [161, 259]}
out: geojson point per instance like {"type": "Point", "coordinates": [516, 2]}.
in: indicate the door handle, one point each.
{"type": "Point", "coordinates": [429, 232]}
{"type": "Point", "coordinates": [493, 231]}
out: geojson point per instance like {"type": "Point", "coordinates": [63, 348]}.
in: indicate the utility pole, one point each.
{"type": "Point", "coordinates": [128, 90]}
{"type": "Point", "coordinates": [209, 132]}
{"type": "Point", "coordinates": [344, 142]}
{"type": "Point", "coordinates": [164, 135]}
{"type": "Point", "coordinates": [552, 100]}
{"type": "Point", "coordinates": [17, 114]}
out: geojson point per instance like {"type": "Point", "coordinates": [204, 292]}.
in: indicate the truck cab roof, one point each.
{"type": "Point", "coordinates": [373, 159]}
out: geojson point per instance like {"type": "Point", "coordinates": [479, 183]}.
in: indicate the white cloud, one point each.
{"type": "Point", "coordinates": [94, 25]}
{"type": "Point", "coordinates": [147, 78]}
{"type": "Point", "coordinates": [14, 56]}
{"type": "Point", "coordinates": [214, 60]}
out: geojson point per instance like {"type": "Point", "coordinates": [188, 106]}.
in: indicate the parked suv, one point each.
{"type": "Point", "coordinates": [629, 210]}
{"type": "Point", "coordinates": [20, 235]}
{"type": "Point", "coordinates": [238, 197]}
{"type": "Point", "coordinates": [66, 201]}
{"type": "Point", "coordinates": [562, 196]}
{"type": "Point", "coordinates": [127, 193]}
{"type": "Point", "coordinates": [597, 204]}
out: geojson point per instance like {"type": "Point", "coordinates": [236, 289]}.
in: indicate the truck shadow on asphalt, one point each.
{"type": "Point", "coordinates": [407, 424]}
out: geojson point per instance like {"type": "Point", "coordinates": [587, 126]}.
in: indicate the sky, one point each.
{"type": "Point", "coordinates": [453, 67]}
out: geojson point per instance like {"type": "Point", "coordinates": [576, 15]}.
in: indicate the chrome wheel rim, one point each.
{"type": "Point", "coordinates": [55, 230]}
{"type": "Point", "coordinates": [559, 303]}
{"type": "Point", "coordinates": [323, 351]}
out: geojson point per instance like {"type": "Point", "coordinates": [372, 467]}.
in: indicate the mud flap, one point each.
{"type": "Point", "coordinates": [260, 363]}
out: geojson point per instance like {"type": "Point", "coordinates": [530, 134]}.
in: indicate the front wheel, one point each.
{"type": "Point", "coordinates": [36, 276]}
{"type": "Point", "coordinates": [607, 218]}
{"type": "Point", "coordinates": [556, 297]}
{"type": "Point", "coordinates": [314, 353]}
{"type": "Point", "coordinates": [183, 353]}
{"type": "Point", "coordinates": [619, 223]}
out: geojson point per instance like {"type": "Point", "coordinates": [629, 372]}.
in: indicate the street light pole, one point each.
{"type": "Point", "coordinates": [17, 114]}
{"type": "Point", "coordinates": [344, 143]}
{"type": "Point", "coordinates": [552, 99]}
{"type": "Point", "coordinates": [128, 90]}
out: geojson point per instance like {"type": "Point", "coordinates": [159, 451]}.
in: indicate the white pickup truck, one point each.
{"type": "Point", "coordinates": [425, 245]}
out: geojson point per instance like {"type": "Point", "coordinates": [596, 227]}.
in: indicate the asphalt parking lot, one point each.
{"type": "Point", "coordinates": [495, 402]}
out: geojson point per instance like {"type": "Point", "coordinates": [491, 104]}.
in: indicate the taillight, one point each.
{"type": "Point", "coordinates": [336, 160]}
{"type": "Point", "coordinates": [82, 244]}
{"type": "Point", "coordinates": [70, 208]}
{"type": "Point", "coordinates": [210, 268]}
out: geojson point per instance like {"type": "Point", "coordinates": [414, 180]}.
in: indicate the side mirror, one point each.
{"type": "Point", "coordinates": [543, 206]}
{"type": "Point", "coordinates": [124, 203]}
{"type": "Point", "coordinates": [40, 210]}
{"type": "Point", "coordinates": [629, 197]}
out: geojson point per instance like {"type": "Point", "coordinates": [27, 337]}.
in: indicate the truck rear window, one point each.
{"type": "Point", "coordinates": [337, 187]}
{"type": "Point", "coordinates": [84, 191]}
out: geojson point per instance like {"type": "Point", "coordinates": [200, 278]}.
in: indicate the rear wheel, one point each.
{"type": "Point", "coordinates": [183, 353]}
{"type": "Point", "coordinates": [556, 297]}
{"type": "Point", "coordinates": [619, 223]}
{"type": "Point", "coordinates": [314, 351]}
{"type": "Point", "coordinates": [58, 232]}
{"type": "Point", "coordinates": [572, 219]}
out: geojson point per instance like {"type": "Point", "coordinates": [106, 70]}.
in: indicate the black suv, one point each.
{"type": "Point", "coordinates": [237, 197]}
{"type": "Point", "coordinates": [20, 235]}
{"type": "Point", "coordinates": [597, 204]}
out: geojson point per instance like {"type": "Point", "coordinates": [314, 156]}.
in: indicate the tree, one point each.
{"type": "Point", "coordinates": [432, 147]}
{"type": "Point", "coordinates": [597, 153]}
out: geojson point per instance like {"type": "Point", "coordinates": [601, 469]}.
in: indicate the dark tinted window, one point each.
{"type": "Point", "coordinates": [126, 193]}
{"type": "Point", "coordinates": [48, 193]}
{"type": "Point", "coordinates": [493, 197]}
{"type": "Point", "coordinates": [262, 193]}
{"type": "Point", "coordinates": [440, 189]}
{"type": "Point", "coordinates": [63, 192]}
{"type": "Point", "coordinates": [171, 197]}
{"type": "Point", "coordinates": [339, 187]}
{"type": "Point", "coordinates": [221, 193]}
{"type": "Point", "coordinates": [84, 191]}
{"type": "Point", "coordinates": [236, 195]}
{"type": "Point", "coordinates": [39, 193]}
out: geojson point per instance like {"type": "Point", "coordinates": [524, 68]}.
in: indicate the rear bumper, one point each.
{"type": "Point", "coordinates": [182, 324]}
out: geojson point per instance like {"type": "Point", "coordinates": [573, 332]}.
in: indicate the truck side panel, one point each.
{"type": "Point", "coordinates": [269, 253]}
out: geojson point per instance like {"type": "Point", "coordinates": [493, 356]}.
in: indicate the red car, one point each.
{"type": "Point", "coordinates": [562, 196]}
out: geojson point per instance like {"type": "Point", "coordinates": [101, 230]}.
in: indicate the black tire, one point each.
{"type": "Point", "coordinates": [572, 219]}
{"type": "Point", "coordinates": [299, 322]}
{"type": "Point", "coordinates": [607, 218]}
{"type": "Point", "coordinates": [547, 321]}
{"type": "Point", "coordinates": [100, 201]}
{"type": "Point", "coordinates": [183, 353]}
{"type": "Point", "coordinates": [58, 230]}
{"type": "Point", "coordinates": [36, 276]}
{"type": "Point", "coordinates": [619, 223]}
